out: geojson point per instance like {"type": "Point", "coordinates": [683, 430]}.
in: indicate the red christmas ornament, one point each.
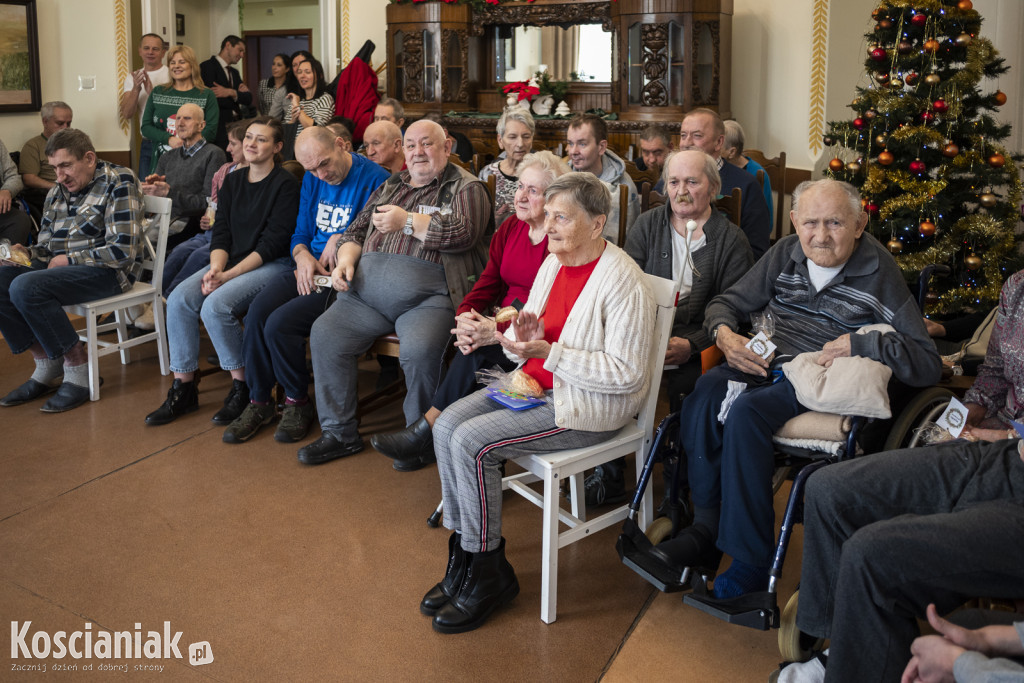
{"type": "Point", "coordinates": [996, 160]}
{"type": "Point", "coordinates": [885, 158]}
{"type": "Point", "coordinates": [917, 167]}
{"type": "Point", "coordinates": [878, 54]}
{"type": "Point", "coordinates": [927, 228]}
{"type": "Point", "coordinates": [1000, 98]}
{"type": "Point", "coordinates": [940, 106]}
{"type": "Point", "coordinates": [858, 123]}
{"type": "Point", "coordinates": [919, 19]}
{"type": "Point", "coordinates": [836, 165]}
{"type": "Point", "coordinates": [912, 77]}
{"type": "Point", "coordinates": [931, 45]}
{"type": "Point", "coordinates": [927, 116]}
{"type": "Point", "coordinates": [872, 210]}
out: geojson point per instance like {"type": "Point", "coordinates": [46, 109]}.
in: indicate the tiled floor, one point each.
{"type": "Point", "coordinates": [298, 573]}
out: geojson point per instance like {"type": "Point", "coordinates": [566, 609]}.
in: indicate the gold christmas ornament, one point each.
{"type": "Point", "coordinates": [895, 246]}
{"type": "Point", "coordinates": [886, 158]}
{"type": "Point", "coordinates": [932, 79]}
{"type": "Point", "coordinates": [853, 167]}
{"type": "Point", "coordinates": [973, 262]}
{"type": "Point", "coordinates": [927, 228]}
{"type": "Point", "coordinates": [964, 39]}
{"type": "Point", "coordinates": [950, 150]}
{"type": "Point", "coordinates": [988, 200]}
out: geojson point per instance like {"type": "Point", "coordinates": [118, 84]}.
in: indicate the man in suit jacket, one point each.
{"type": "Point", "coordinates": [223, 78]}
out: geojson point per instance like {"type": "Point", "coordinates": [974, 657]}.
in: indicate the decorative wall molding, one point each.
{"type": "Point", "coordinates": [346, 41]}
{"type": "Point", "coordinates": [819, 59]}
{"type": "Point", "coordinates": [121, 27]}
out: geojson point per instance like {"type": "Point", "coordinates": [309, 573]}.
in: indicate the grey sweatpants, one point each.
{"type": "Point", "coordinates": [389, 293]}
{"type": "Point", "coordinates": [472, 437]}
{"type": "Point", "coordinates": [886, 534]}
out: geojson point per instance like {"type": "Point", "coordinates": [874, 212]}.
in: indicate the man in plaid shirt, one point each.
{"type": "Point", "coordinates": [89, 247]}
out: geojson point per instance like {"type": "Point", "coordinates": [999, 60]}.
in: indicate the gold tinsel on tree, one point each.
{"type": "Point", "coordinates": [926, 152]}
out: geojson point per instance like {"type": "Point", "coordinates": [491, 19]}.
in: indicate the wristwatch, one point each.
{"type": "Point", "coordinates": [407, 229]}
{"type": "Point", "coordinates": [714, 332]}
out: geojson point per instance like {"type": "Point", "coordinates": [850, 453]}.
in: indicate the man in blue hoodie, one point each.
{"type": "Point", "coordinates": [334, 190]}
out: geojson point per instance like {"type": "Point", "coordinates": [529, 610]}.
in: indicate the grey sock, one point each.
{"type": "Point", "coordinates": [77, 374]}
{"type": "Point", "coordinates": [48, 371]}
{"type": "Point", "coordinates": [707, 517]}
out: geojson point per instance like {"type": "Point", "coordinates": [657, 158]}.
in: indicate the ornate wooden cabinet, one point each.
{"type": "Point", "coordinates": [433, 57]}
{"type": "Point", "coordinates": [673, 55]}
{"type": "Point", "coordinates": [667, 57]}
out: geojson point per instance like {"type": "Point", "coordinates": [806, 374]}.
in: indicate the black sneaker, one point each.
{"type": "Point", "coordinates": [234, 404]}
{"type": "Point", "coordinates": [327, 448]}
{"type": "Point", "coordinates": [601, 487]}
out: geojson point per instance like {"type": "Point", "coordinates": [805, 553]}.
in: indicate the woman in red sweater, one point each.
{"type": "Point", "coordinates": [517, 250]}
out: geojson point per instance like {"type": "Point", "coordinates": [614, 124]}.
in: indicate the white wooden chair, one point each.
{"type": "Point", "coordinates": [551, 468]}
{"type": "Point", "coordinates": [140, 293]}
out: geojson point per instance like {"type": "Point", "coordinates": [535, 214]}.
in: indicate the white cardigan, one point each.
{"type": "Point", "coordinates": [600, 361]}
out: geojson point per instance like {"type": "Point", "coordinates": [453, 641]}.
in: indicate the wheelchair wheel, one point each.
{"type": "Point", "coordinates": [925, 407]}
{"type": "Point", "coordinates": [795, 646]}
{"type": "Point", "coordinates": [659, 530]}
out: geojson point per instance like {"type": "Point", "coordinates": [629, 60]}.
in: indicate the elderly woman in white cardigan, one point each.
{"type": "Point", "coordinates": [585, 336]}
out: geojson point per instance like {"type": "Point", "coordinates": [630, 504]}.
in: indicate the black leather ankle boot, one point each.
{"type": "Point", "coordinates": [236, 401]}
{"type": "Point", "coordinates": [182, 398]}
{"type": "Point", "coordinates": [438, 596]}
{"type": "Point", "coordinates": [490, 583]}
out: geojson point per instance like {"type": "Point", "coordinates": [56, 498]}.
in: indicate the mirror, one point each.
{"type": "Point", "coordinates": [523, 50]}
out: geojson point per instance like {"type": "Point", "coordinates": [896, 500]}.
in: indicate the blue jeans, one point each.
{"type": "Point", "coordinates": [219, 312]}
{"type": "Point", "coordinates": [32, 300]}
{"type": "Point", "coordinates": [186, 260]}
{"type": "Point", "coordinates": [276, 327]}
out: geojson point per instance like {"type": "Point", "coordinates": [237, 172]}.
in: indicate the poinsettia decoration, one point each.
{"type": "Point", "coordinates": [523, 89]}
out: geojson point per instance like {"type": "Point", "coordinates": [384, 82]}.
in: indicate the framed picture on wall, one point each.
{"type": "Point", "coordinates": [179, 24]}
{"type": "Point", "coordinates": [19, 56]}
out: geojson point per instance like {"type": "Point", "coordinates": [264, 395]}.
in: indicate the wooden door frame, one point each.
{"type": "Point", "coordinates": [252, 58]}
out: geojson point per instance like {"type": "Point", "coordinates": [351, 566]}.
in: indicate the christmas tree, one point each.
{"type": "Point", "coordinates": [926, 152]}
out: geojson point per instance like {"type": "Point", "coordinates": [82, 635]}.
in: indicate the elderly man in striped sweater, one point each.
{"type": "Point", "coordinates": [819, 286]}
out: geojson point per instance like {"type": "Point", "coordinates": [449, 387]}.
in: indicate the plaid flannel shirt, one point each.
{"type": "Point", "coordinates": [100, 226]}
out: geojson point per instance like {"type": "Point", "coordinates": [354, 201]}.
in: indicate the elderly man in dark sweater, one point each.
{"type": "Point", "coordinates": [820, 286]}
{"type": "Point", "coordinates": [186, 174]}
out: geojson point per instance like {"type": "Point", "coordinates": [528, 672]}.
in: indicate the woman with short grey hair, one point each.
{"type": "Point", "coordinates": [515, 137]}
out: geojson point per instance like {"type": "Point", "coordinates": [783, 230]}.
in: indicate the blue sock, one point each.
{"type": "Point", "coordinates": [739, 579]}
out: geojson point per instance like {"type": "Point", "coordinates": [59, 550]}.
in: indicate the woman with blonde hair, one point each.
{"type": "Point", "coordinates": [186, 86]}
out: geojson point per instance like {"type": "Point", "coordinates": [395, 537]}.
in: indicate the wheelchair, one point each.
{"type": "Point", "coordinates": [802, 446]}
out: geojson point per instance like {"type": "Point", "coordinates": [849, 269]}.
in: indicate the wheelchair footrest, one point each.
{"type": "Point", "coordinates": [631, 546]}
{"type": "Point", "coordinates": [753, 610]}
